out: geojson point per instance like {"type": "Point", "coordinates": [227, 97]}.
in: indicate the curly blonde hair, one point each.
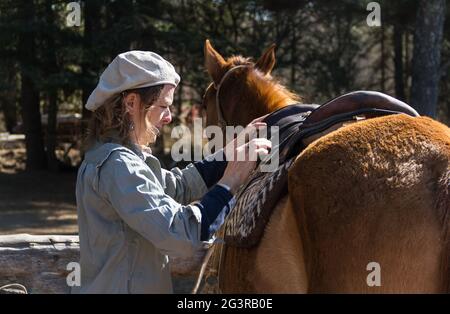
{"type": "Point", "coordinates": [112, 123]}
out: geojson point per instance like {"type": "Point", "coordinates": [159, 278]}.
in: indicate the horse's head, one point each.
{"type": "Point", "coordinates": [241, 89]}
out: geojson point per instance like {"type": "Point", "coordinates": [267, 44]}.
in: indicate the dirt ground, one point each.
{"type": "Point", "coordinates": [38, 203]}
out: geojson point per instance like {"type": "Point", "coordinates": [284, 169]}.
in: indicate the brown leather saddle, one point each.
{"type": "Point", "coordinates": [298, 125]}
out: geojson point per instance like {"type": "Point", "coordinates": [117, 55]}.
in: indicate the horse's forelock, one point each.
{"type": "Point", "coordinates": [265, 84]}
{"type": "Point", "coordinates": [238, 60]}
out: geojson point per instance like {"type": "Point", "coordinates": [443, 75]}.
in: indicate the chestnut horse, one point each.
{"type": "Point", "coordinates": [370, 197]}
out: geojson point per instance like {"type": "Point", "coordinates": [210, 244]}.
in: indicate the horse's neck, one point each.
{"type": "Point", "coordinates": [277, 100]}
{"type": "Point", "coordinates": [264, 107]}
{"type": "Point", "coordinates": [262, 103]}
{"type": "Point", "coordinates": [279, 103]}
{"type": "Point", "coordinates": [277, 97]}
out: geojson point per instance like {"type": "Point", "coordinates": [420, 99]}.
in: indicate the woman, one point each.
{"type": "Point", "coordinates": [132, 214]}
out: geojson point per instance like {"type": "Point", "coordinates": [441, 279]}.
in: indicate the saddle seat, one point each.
{"type": "Point", "coordinates": [301, 124]}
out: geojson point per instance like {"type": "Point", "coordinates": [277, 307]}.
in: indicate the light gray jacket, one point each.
{"type": "Point", "coordinates": [131, 220]}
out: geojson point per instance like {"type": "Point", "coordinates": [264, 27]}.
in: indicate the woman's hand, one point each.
{"type": "Point", "coordinates": [249, 132]}
{"type": "Point", "coordinates": [242, 155]}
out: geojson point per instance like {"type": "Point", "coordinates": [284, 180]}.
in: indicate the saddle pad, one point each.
{"type": "Point", "coordinates": [245, 224]}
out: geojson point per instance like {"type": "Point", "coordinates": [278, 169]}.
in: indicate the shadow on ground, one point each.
{"type": "Point", "coordinates": [38, 202]}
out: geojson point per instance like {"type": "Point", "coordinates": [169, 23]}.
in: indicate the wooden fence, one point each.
{"type": "Point", "coordinates": [39, 263]}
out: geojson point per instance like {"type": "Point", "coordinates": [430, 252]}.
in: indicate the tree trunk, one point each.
{"type": "Point", "coordinates": [180, 90]}
{"type": "Point", "coordinates": [51, 131]}
{"type": "Point", "coordinates": [8, 107]}
{"type": "Point", "coordinates": [90, 58]}
{"type": "Point", "coordinates": [52, 67]}
{"type": "Point", "coordinates": [427, 56]}
{"type": "Point", "coordinates": [407, 66]}
{"type": "Point", "coordinates": [8, 103]}
{"type": "Point", "coordinates": [383, 60]}
{"type": "Point", "coordinates": [31, 115]}
{"type": "Point", "coordinates": [294, 57]}
{"type": "Point", "coordinates": [119, 13]}
{"type": "Point", "coordinates": [398, 62]}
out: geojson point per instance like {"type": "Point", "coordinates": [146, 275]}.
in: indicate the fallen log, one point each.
{"type": "Point", "coordinates": [39, 262]}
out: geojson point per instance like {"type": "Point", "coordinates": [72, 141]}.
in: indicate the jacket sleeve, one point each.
{"type": "Point", "coordinates": [184, 185]}
{"type": "Point", "coordinates": [139, 199]}
{"type": "Point", "coordinates": [193, 182]}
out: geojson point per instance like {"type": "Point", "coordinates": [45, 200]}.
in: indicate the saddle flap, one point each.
{"type": "Point", "coordinates": [255, 201]}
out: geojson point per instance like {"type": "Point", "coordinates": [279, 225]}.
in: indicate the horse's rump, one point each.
{"type": "Point", "coordinates": [376, 191]}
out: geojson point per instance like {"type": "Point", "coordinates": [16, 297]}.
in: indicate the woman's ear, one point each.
{"type": "Point", "coordinates": [267, 61]}
{"type": "Point", "coordinates": [131, 103]}
{"type": "Point", "coordinates": [214, 62]}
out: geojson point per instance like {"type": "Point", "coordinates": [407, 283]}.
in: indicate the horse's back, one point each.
{"type": "Point", "coordinates": [376, 191]}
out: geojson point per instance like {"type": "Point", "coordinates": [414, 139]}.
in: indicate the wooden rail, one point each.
{"type": "Point", "coordinates": [39, 262]}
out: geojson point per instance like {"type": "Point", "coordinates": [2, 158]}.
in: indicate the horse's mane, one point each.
{"type": "Point", "coordinates": [267, 90]}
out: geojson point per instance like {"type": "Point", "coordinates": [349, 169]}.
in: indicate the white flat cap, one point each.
{"type": "Point", "coordinates": [129, 70]}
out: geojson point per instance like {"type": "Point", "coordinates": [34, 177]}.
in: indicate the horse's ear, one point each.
{"type": "Point", "coordinates": [267, 61]}
{"type": "Point", "coordinates": [214, 62]}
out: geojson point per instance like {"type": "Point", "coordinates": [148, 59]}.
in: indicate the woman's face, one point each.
{"type": "Point", "coordinates": [148, 128]}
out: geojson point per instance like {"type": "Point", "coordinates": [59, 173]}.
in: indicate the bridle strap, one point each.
{"type": "Point", "coordinates": [220, 117]}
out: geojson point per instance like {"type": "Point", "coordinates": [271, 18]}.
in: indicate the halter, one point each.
{"type": "Point", "coordinates": [220, 117]}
